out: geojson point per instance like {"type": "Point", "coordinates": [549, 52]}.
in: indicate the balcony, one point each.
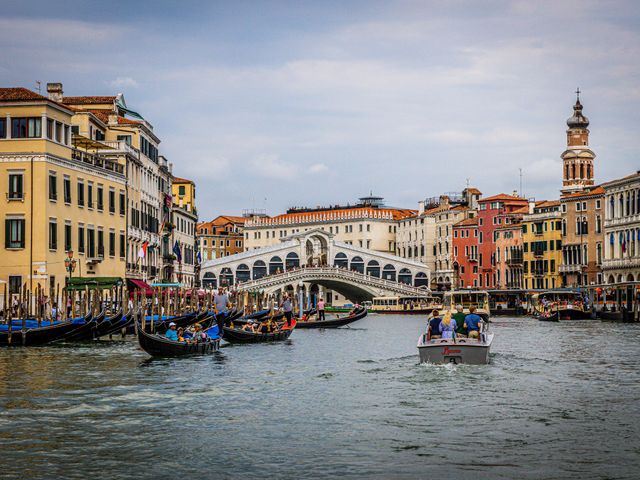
{"type": "Point", "coordinates": [621, 263]}
{"type": "Point", "coordinates": [472, 258]}
{"type": "Point", "coordinates": [98, 161]}
{"type": "Point", "coordinates": [575, 268]}
{"type": "Point", "coordinates": [121, 146]}
{"type": "Point", "coordinates": [514, 261]}
{"type": "Point", "coordinates": [538, 253]}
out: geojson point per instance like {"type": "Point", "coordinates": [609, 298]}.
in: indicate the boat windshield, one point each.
{"type": "Point", "coordinates": [466, 299]}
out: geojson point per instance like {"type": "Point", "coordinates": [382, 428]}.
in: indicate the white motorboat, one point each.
{"type": "Point", "coordinates": [461, 350]}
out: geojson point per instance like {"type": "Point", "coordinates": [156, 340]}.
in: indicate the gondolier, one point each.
{"type": "Point", "coordinates": [320, 307]}
{"type": "Point", "coordinates": [287, 308]}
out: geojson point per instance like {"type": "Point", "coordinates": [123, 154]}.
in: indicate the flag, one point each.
{"type": "Point", "coordinates": [176, 250]}
{"type": "Point", "coordinates": [143, 250]}
{"type": "Point", "coordinates": [199, 257]}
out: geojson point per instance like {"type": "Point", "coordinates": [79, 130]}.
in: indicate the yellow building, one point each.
{"type": "Point", "coordinates": [184, 194]}
{"type": "Point", "coordinates": [59, 195]}
{"type": "Point", "coordinates": [542, 245]}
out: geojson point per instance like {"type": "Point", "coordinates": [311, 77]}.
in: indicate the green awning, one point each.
{"type": "Point", "coordinates": [91, 283]}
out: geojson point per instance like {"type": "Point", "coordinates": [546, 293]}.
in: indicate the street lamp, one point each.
{"type": "Point", "coordinates": [70, 263]}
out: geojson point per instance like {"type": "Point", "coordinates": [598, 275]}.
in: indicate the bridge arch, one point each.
{"type": "Point", "coordinates": [341, 260]}
{"type": "Point", "coordinates": [357, 264]}
{"type": "Point", "coordinates": [259, 269]}
{"type": "Point", "coordinates": [243, 273]}
{"type": "Point", "coordinates": [389, 272]}
{"type": "Point", "coordinates": [404, 276]}
{"type": "Point", "coordinates": [226, 277]}
{"type": "Point", "coordinates": [292, 260]}
{"type": "Point", "coordinates": [373, 268]}
{"type": "Point", "coordinates": [209, 280]}
{"type": "Point", "coordinates": [421, 280]}
{"type": "Point", "coordinates": [275, 265]}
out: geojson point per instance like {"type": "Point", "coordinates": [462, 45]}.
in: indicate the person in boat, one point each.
{"type": "Point", "coordinates": [472, 323]}
{"type": "Point", "coordinates": [180, 333]}
{"type": "Point", "coordinates": [448, 326]}
{"type": "Point", "coordinates": [320, 307]}
{"type": "Point", "coordinates": [287, 308]}
{"type": "Point", "coordinates": [221, 300]}
{"type": "Point", "coordinates": [433, 328]}
{"type": "Point", "coordinates": [172, 334]}
{"type": "Point", "coordinates": [249, 327]}
{"type": "Point", "coordinates": [199, 336]}
{"type": "Point", "coordinates": [54, 313]}
{"type": "Point", "coordinates": [459, 317]}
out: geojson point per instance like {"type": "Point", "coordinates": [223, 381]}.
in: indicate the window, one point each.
{"type": "Point", "coordinates": [80, 239]}
{"type": "Point", "coordinates": [25, 127]}
{"type": "Point", "coordinates": [122, 245]}
{"type": "Point", "coordinates": [67, 237]}
{"type": "Point", "coordinates": [14, 233]}
{"type": "Point", "coordinates": [91, 242]}
{"type": "Point", "coordinates": [100, 243]}
{"type": "Point", "coordinates": [16, 186]}
{"type": "Point", "coordinates": [50, 129]}
{"type": "Point", "coordinates": [125, 138]}
{"type": "Point", "coordinates": [3, 127]}
{"type": "Point", "coordinates": [122, 203]}
{"type": "Point", "coordinates": [112, 201]}
{"type": "Point", "coordinates": [598, 224]}
{"type": "Point", "coordinates": [598, 205]}
{"type": "Point", "coordinates": [15, 282]}
{"type": "Point", "coordinates": [90, 195]}
{"type": "Point", "coordinates": [58, 132]}
{"type": "Point", "coordinates": [53, 186]}
{"type": "Point", "coordinates": [112, 244]}
{"type": "Point", "coordinates": [53, 234]}
{"type": "Point", "coordinates": [100, 193]}
{"type": "Point", "coordinates": [181, 190]}
{"type": "Point", "coordinates": [80, 193]}
{"type": "Point", "coordinates": [66, 186]}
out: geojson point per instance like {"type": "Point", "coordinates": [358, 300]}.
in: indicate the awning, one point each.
{"type": "Point", "coordinates": [165, 285]}
{"type": "Point", "coordinates": [93, 283]}
{"type": "Point", "coordinates": [88, 143]}
{"type": "Point", "coordinates": [135, 284]}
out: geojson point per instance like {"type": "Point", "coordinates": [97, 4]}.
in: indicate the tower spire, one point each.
{"type": "Point", "coordinates": [578, 158]}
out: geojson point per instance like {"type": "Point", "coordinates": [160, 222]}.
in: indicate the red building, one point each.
{"type": "Point", "coordinates": [465, 253]}
{"type": "Point", "coordinates": [493, 212]}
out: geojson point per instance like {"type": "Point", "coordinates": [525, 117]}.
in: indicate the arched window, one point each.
{"type": "Point", "coordinates": [259, 269]}
{"type": "Point", "coordinates": [421, 280]}
{"type": "Point", "coordinates": [292, 260]}
{"type": "Point", "coordinates": [373, 268]}
{"type": "Point", "coordinates": [226, 277]}
{"type": "Point", "coordinates": [404, 276]}
{"type": "Point", "coordinates": [589, 171]}
{"type": "Point", "coordinates": [389, 272]}
{"type": "Point", "coordinates": [581, 171]}
{"type": "Point", "coordinates": [209, 280]}
{"type": "Point", "coordinates": [275, 265]}
{"type": "Point", "coordinates": [243, 273]}
{"type": "Point", "coordinates": [357, 264]}
{"type": "Point", "coordinates": [341, 260]}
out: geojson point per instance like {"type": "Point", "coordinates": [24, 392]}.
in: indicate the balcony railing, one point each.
{"type": "Point", "coordinates": [97, 161]}
{"type": "Point", "coordinates": [513, 261]}
{"type": "Point", "coordinates": [573, 268]}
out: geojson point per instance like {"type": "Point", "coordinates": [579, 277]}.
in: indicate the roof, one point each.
{"type": "Point", "coordinates": [547, 203]}
{"type": "Point", "coordinates": [473, 190]}
{"type": "Point", "coordinates": [182, 180]}
{"type": "Point", "coordinates": [523, 210]}
{"type": "Point", "coordinates": [467, 222]}
{"type": "Point", "coordinates": [502, 196]}
{"type": "Point", "coordinates": [623, 179]}
{"type": "Point", "coordinates": [19, 94]}
{"type": "Point", "coordinates": [592, 192]}
{"type": "Point", "coordinates": [335, 215]}
{"type": "Point", "coordinates": [89, 100]}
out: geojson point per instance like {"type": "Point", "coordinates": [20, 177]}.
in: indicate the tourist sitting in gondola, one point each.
{"type": "Point", "coordinates": [199, 335]}
{"type": "Point", "coordinates": [447, 326]}
{"type": "Point", "coordinates": [181, 335]}
{"type": "Point", "coordinates": [249, 327]}
{"type": "Point", "coordinates": [172, 334]}
{"type": "Point", "coordinates": [433, 328]}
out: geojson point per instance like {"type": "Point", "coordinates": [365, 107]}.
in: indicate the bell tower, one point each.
{"type": "Point", "coordinates": [578, 158]}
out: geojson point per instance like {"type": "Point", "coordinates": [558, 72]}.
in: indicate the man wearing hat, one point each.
{"type": "Point", "coordinates": [171, 333]}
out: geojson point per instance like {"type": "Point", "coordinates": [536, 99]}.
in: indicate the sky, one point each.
{"type": "Point", "coordinates": [273, 104]}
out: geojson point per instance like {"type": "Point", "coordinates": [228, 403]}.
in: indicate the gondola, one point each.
{"type": "Point", "coordinates": [113, 324]}
{"type": "Point", "coordinates": [87, 330]}
{"type": "Point", "coordinates": [551, 317]}
{"type": "Point", "coordinates": [335, 322]}
{"type": "Point", "coordinates": [42, 335]}
{"type": "Point", "coordinates": [237, 335]}
{"type": "Point", "coordinates": [158, 346]}
{"type": "Point", "coordinates": [180, 320]}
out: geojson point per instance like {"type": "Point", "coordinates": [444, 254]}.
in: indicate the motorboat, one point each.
{"type": "Point", "coordinates": [460, 350]}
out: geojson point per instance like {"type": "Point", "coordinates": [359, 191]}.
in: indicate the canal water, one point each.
{"type": "Point", "coordinates": [558, 401]}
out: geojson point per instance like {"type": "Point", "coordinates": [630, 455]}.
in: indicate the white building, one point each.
{"type": "Point", "coordinates": [622, 230]}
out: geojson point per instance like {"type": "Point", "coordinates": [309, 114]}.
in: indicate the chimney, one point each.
{"type": "Point", "coordinates": [55, 92]}
{"type": "Point", "coordinates": [515, 193]}
{"type": "Point", "coordinates": [532, 205]}
{"type": "Point", "coordinates": [421, 207]}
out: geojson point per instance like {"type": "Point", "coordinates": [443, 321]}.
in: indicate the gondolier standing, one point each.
{"type": "Point", "coordinates": [287, 308]}
{"type": "Point", "coordinates": [221, 300]}
{"type": "Point", "coordinates": [320, 309]}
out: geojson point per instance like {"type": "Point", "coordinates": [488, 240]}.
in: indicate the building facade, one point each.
{"type": "Point", "coordinates": [465, 253]}
{"type": "Point", "coordinates": [60, 196]}
{"type": "Point", "coordinates": [622, 230]}
{"type": "Point", "coordinates": [542, 245]}
{"type": "Point", "coordinates": [493, 213]}
{"type": "Point", "coordinates": [582, 237]}
{"type": "Point", "coordinates": [182, 256]}
{"type": "Point", "coordinates": [368, 224]}
{"type": "Point", "coordinates": [221, 237]}
{"type": "Point", "coordinates": [509, 256]}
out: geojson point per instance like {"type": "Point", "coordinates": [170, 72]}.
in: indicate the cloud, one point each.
{"type": "Point", "coordinates": [123, 82]}
{"type": "Point", "coordinates": [270, 166]}
{"type": "Point", "coordinates": [318, 168]}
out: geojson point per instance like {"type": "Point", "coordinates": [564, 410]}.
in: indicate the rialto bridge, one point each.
{"type": "Point", "coordinates": [313, 259]}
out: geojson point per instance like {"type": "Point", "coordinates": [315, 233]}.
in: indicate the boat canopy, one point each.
{"type": "Point", "coordinates": [93, 283]}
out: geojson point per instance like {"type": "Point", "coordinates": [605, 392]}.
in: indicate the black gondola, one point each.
{"type": "Point", "coordinates": [237, 335]}
{"type": "Point", "coordinates": [42, 335]}
{"type": "Point", "coordinates": [158, 346]}
{"type": "Point", "coordinates": [335, 322]}
{"type": "Point", "coordinates": [87, 330]}
{"type": "Point", "coordinates": [113, 324]}
{"type": "Point", "coordinates": [551, 317]}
